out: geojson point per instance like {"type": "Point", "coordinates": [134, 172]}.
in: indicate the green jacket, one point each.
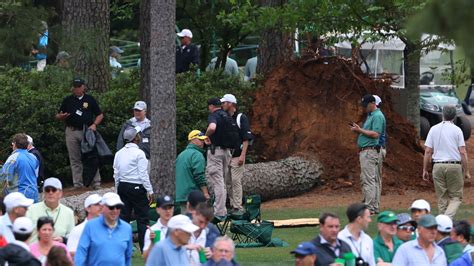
{"type": "Point", "coordinates": [382, 251]}
{"type": "Point", "coordinates": [190, 172]}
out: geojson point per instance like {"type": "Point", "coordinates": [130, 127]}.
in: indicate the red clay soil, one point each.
{"type": "Point", "coordinates": [304, 109]}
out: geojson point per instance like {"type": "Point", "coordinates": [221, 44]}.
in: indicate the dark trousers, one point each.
{"type": "Point", "coordinates": [135, 198]}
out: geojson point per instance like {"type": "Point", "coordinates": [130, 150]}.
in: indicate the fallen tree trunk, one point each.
{"type": "Point", "coordinates": [279, 179]}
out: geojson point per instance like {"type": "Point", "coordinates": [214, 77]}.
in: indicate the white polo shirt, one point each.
{"type": "Point", "coordinates": [445, 139]}
{"type": "Point", "coordinates": [156, 226]}
{"type": "Point", "coordinates": [363, 247]}
{"type": "Point", "coordinates": [193, 255]}
{"type": "Point", "coordinates": [74, 236]}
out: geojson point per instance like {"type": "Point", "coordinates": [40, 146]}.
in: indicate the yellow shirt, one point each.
{"type": "Point", "coordinates": [62, 216]}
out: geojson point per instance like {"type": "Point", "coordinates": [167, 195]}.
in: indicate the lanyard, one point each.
{"type": "Point", "coordinates": [57, 215]}
{"type": "Point", "coordinates": [359, 251]}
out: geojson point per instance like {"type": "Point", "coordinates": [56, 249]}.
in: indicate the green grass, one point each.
{"type": "Point", "coordinates": [293, 236]}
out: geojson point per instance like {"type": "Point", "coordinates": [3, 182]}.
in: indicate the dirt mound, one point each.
{"type": "Point", "coordinates": [304, 108]}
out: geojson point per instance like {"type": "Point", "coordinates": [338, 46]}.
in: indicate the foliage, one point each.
{"type": "Point", "coordinates": [31, 99]}
{"type": "Point", "coordinates": [20, 26]}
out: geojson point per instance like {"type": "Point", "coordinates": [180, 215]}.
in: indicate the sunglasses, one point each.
{"type": "Point", "coordinates": [116, 207]}
{"type": "Point", "coordinates": [50, 189]}
{"type": "Point", "coordinates": [407, 228]}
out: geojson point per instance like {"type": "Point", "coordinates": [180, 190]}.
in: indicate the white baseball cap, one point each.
{"type": "Point", "coordinates": [182, 222]}
{"type": "Point", "coordinates": [30, 139]}
{"type": "Point", "coordinates": [53, 182]}
{"type": "Point", "coordinates": [229, 98]}
{"type": "Point", "coordinates": [185, 33]}
{"type": "Point", "coordinates": [378, 100]}
{"type": "Point", "coordinates": [140, 105]}
{"type": "Point", "coordinates": [92, 199]}
{"type": "Point", "coordinates": [445, 224]}
{"type": "Point", "coordinates": [16, 199]}
{"type": "Point", "coordinates": [23, 225]}
{"type": "Point", "coordinates": [111, 199]}
{"type": "Point", "coordinates": [420, 204]}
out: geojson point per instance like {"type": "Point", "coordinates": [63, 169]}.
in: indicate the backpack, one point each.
{"type": "Point", "coordinates": [229, 132]}
{"type": "Point", "coordinates": [238, 118]}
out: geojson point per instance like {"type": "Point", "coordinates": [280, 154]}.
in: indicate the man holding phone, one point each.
{"type": "Point", "coordinates": [369, 149]}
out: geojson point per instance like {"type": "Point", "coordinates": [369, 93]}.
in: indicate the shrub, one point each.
{"type": "Point", "coordinates": [31, 99]}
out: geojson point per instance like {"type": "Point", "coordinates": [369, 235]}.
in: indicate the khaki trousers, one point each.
{"type": "Point", "coordinates": [370, 178]}
{"type": "Point", "coordinates": [449, 184]}
{"type": "Point", "coordinates": [216, 170]}
{"type": "Point", "coordinates": [233, 182]}
{"type": "Point", "coordinates": [73, 144]}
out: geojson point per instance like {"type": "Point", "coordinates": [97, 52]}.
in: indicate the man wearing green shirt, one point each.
{"type": "Point", "coordinates": [369, 149]}
{"type": "Point", "coordinates": [62, 215]}
{"type": "Point", "coordinates": [386, 243]}
{"type": "Point", "coordinates": [190, 169]}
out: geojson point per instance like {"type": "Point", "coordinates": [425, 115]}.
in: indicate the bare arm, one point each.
{"type": "Point", "coordinates": [464, 164]}
{"type": "Point", "coordinates": [427, 162]}
{"type": "Point", "coordinates": [368, 133]}
{"type": "Point", "coordinates": [211, 129]}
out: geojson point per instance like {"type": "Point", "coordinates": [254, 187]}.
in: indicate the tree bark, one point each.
{"type": "Point", "coordinates": [279, 179]}
{"type": "Point", "coordinates": [275, 46]}
{"type": "Point", "coordinates": [161, 86]}
{"type": "Point", "coordinates": [145, 30]}
{"type": "Point", "coordinates": [412, 81]}
{"type": "Point", "coordinates": [86, 27]}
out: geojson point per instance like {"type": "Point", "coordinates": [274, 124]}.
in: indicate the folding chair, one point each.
{"type": "Point", "coordinates": [222, 224]}
{"type": "Point", "coordinates": [247, 232]}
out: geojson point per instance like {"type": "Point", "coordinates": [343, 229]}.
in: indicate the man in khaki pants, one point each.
{"type": "Point", "coordinates": [235, 174]}
{"type": "Point", "coordinates": [445, 148]}
{"type": "Point", "coordinates": [79, 111]}
{"type": "Point", "coordinates": [218, 156]}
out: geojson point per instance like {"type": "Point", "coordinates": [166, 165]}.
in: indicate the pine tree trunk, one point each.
{"type": "Point", "coordinates": [161, 86]}
{"type": "Point", "coordinates": [275, 46]}
{"type": "Point", "coordinates": [412, 81]}
{"type": "Point", "coordinates": [86, 27]}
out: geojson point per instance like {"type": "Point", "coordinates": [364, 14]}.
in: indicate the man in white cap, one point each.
{"type": "Point", "coordinates": [140, 120]}
{"type": "Point", "coordinates": [106, 240]}
{"type": "Point", "coordinates": [18, 251]}
{"type": "Point", "coordinates": [452, 248]}
{"type": "Point", "coordinates": [62, 215]}
{"type": "Point", "coordinates": [33, 150]}
{"type": "Point", "coordinates": [16, 205]}
{"type": "Point", "coordinates": [171, 251]}
{"type": "Point", "coordinates": [132, 182]}
{"type": "Point", "coordinates": [93, 209]}
{"type": "Point", "coordinates": [419, 208]}
{"type": "Point", "coordinates": [234, 176]}
{"type": "Point", "coordinates": [187, 54]}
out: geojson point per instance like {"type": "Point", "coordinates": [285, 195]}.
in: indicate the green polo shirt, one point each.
{"type": "Point", "coordinates": [375, 122]}
{"type": "Point", "coordinates": [382, 251]}
{"type": "Point", "coordinates": [62, 216]}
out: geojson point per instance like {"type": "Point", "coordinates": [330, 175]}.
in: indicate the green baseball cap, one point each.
{"type": "Point", "coordinates": [427, 221]}
{"type": "Point", "coordinates": [387, 217]}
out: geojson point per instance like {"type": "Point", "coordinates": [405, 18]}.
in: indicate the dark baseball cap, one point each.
{"type": "Point", "coordinates": [304, 249]}
{"type": "Point", "coordinates": [195, 197]}
{"type": "Point", "coordinates": [214, 101]}
{"type": "Point", "coordinates": [77, 82]}
{"type": "Point", "coordinates": [369, 98]}
{"type": "Point", "coordinates": [164, 201]}
{"type": "Point", "coordinates": [428, 221]}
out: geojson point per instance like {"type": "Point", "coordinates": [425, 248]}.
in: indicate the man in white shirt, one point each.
{"type": "Point", "coordinates": [165, 208]}
{"type": "Point", "coordinates": [16, 205]}
{"type": "Point", "coordinates": [93, 209]}
{"type": "Point", "coordinates": [445, 148]}
{"type": "Point", "coordinates": [132, 181]}
{"type": "Point", "coordinates": [18, 251]}
{"type": "Point", "coordinates": [353, 234]}
{"type": "Point", "coordinates": [199, 240]}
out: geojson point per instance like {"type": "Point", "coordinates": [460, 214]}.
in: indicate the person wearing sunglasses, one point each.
{"type": "Point", "coordinates": [386, 243]}
{"type": "Point", "coordinates": [406, 227]}
{"type": "Point", "coordinates": [63, 216]}
{"type": "Point", "coordinates": [107, 239]}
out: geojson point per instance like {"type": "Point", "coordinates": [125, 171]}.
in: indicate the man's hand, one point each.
{"type": "Point", "coordinates": [380, 262]}
{"type": "Point", "coordinates": [241, 159]}
{"type": "Point", "coordinates": [93, 127]}
{"type": "Point", "coordinates": [355, 128]}
{"type": "Point", "coordinates": [426, 175]}
{"type": "Point", "coordinates": [152, 234]}
{"type": "Point", "coordinates": [208, 253]}
{"type": "Point", "coordinates": [467, 175]}
{"type": "Point", "coordinates": [62, 115]}
{"type": "Point", "coordinates": [207, 141]}
{"type": "Point", "coordinates": [150, 198]}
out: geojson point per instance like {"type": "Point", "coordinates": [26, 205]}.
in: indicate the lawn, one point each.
{"type": "Point", "coordinates": [293, 236]}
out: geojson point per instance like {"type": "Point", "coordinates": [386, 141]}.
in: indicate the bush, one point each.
{"type": "Point", "coordinates": [31, 99]}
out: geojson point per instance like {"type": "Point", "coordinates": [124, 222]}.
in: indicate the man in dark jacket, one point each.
{"type": "Point", "coordinates": [18, 252]}
{"type": "Point", "coordinates": [187, 53]}
{"type": "Point", "coordinates": [328, 246]}
{"type": "Point", "coordinates": [32, 149]}
{"type": "Point", "coordinates": [140, 120]}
